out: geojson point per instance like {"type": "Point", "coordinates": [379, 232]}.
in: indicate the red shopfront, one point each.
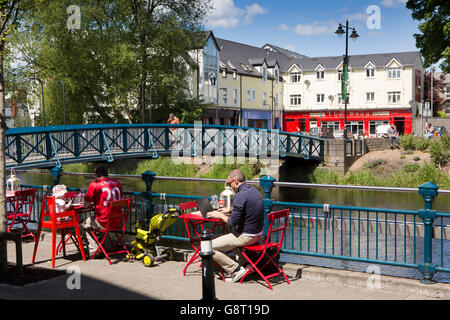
{"type": "Point", "coordinates": [358, 121]}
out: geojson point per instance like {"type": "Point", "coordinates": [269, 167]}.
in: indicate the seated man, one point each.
{"type": "Point", "coordinates": [247, 219]}
{"type": "Point", "coordinates": [99, 193]}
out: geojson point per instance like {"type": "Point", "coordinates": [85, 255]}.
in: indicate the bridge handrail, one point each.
{"type": "Point", "coordinates": [61, 128]}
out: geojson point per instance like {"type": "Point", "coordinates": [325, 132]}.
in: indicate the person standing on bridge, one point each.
{"type": "Point", "coordinates": [173, 120]}
{"type": "Point", "coordinates": [99, 193]}
{"type": "Point", "coordinates": [246, 218]}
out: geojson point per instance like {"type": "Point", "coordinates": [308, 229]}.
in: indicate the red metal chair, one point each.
{"type": "Point", "coordinates": [21, 205]}
{"type": "Point", "coordinates": [254, 254]}
{"type": "Point", "coordinates": [194, 228]}
{"type": "Point", "coordinates": [48, 210]}
{"type": "Point", "coordinates": [70, 236]}
{"type": "Point", "coordinates": [117, 222]}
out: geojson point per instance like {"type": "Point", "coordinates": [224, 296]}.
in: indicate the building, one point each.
{"type": "Point", "coordinates": [383, 88]}
{"type": "Point", "coordinates": [271, 87]}
{"type": "Point", "coordinates": [443, 96]}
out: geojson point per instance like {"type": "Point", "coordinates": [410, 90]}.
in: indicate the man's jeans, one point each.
{"type": "Point", "coordinates": [229, 242]}
{"type": "Point", "coordinates": [396, 140]}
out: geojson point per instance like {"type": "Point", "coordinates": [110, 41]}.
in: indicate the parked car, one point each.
{"type": "Point", "coordinates": [440, 131]}
{"type": "Point", "coordinates": [381, 131]}
{"type": "Point", "coordinates": [321, 132]}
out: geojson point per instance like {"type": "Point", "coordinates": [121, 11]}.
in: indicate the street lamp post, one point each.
{"type": "Point", "coordinates": [143, 99]}
{"type": "Point", "coordinates": [42, 93]}
{"type": "Point", "coordinates": [344, 93]}
{"type": "Point", "coordinates": [64, 99]}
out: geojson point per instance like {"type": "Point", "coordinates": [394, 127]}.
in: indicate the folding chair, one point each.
{"type": "Point", "coordinates": [254, 254]}
{"type": "Point", "coordinates": [21, 205]}
{"type": "Point", "coordinates": [117, 222]}
{"type": "Point", "coordinates": [194, 228]}
{"type": "Point", "coordinates": [48, 210]}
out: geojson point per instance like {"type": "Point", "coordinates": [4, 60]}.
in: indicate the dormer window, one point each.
{"type": "Point", "coordinates": [320, 73]}
{"type": "Point", "coordinates": [394, 73]}
{"type": "Point", "coordinates": [234, 74]}
{"type": "Point", "coordinates": [224, 72]}
{"type": "Point", "coordinates": [264, 73]}
{"type": "Point", "coordinates": [370, 72]}
{"type": "Point", "coordinates": [295, 77]}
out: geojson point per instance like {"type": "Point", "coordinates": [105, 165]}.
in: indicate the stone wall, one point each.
{"type": "Point", "coordinates": [418, 125]}
{"type": "Point", "coordinates": [376, 144]}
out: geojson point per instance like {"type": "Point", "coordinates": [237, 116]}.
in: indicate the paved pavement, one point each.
{"type": "Point", "coordinates": [131, 280]}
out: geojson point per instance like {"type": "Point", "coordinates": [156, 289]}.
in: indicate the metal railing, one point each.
{"type": "Point", "coordinates": [417, 239]}
{"type": "Point", "coordinates": [57, 145]}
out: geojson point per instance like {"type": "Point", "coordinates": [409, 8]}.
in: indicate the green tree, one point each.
{"type": "Point", "coordinates": [434, 40]}
{"type": "Point", "coordinates": [120, 44]}
{"type": "Point", "coordinates": [10, 13]}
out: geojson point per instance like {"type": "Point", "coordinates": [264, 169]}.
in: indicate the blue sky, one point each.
{"type": "Point", "coordinates": [308, 26]}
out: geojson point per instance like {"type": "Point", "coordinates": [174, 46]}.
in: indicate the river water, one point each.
{"type": "Point", "coordinates": [407, 201]}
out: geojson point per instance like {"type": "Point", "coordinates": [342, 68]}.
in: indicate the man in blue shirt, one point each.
{"type": "Point", "coordinates": [246, 218]}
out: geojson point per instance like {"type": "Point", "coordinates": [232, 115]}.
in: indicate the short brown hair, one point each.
{"type": "Point", "coordinates": [101, 171]}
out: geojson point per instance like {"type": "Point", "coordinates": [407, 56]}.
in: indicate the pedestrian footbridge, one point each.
{"type": "Point", "coordinates": [45, 147]}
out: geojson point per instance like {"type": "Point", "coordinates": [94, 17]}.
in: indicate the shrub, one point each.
{"type": "Point", "coordinates": [439, 153]}
{"type": "Point", "coordinates": [407, 142]}
{"type": "Point", "coordinates": [421, 144]}
{"type": "Point", "coordinates": [402, 157]}
{"type": "Point", "coordinates": [445, 140]}
{"type": "Point", "coordinates": [411, 167]}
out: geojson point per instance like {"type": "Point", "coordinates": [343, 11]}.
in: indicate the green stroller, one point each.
{"type": "Point", "coordinates": [145, 247]}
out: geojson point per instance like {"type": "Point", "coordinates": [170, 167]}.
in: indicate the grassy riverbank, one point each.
{"type": "Point", "coordinates": [164, 166]}
{"type": "Point", "coordinates": [410, 176]}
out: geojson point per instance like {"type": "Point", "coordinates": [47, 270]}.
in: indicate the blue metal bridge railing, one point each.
{"type": "Point", "coordinates": [418, 239]}
{"type": "Point", "coordinates": [53, 146]}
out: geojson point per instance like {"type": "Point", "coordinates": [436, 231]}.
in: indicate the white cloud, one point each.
{"type": "Point", "coordinates": [283, 27]}
{"type": "Point", "coordinates": [393, 3]}
{"type": "Point", "coordinates": [226, 15]}
{"type": "Point", "coordinates": [315, 28]}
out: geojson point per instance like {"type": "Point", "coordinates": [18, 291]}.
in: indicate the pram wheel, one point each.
{"type": "Point", "coordinates": [170, 254]}
{"type": "Point", "coordinates": [148, 260]}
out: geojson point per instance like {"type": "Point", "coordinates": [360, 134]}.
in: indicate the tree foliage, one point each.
{"type": "Point", "coordinates": [119, 44]}
{"type": "Point", "coordinates": [434, 39]}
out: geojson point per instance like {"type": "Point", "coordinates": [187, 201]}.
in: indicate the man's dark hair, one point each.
{"type": "Point", "coordinates": [101, 171]}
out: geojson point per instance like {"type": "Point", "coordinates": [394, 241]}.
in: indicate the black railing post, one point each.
{"type": "Point", "coordinates": [148, 177]}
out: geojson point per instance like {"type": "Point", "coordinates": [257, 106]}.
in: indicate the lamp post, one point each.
{"type": "Point", "coordinates": [344, 93]}
{"type": "Point", "coordinates": [143, 99]}
{"type": "Point", "coordinates": [212, 80]}
{"type": "Point", "coordinates": [42, 93]}
{"type": "Point", "coordinates": [64, 99]}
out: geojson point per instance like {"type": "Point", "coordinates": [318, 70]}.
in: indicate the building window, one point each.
{"type": "Point", "coordinates": [370, 96]}
{"type": "Point", "coordinates": [370, 72]}
{"type": "Point", "coordinates": [296, 99]}
{"type": "Point", "coordinates": [234, 75]}
{"type": "Point", "coordinates": [224, 72]}
{"type": "Point", "coordinates": [251, 95]}
{"type": "Point", "coordinates": [276, 73]}
{"type": "Point", "coordinates": [394, 97]}
{"type": "Point", "coordinates": [356, 127]}
{"type": "Point", "coordinates": [224, 96]}
{"type": "Point", "coordinates": [320, 98]}
{"type": "Point", "coordinates": [295, 77]}
{"type": "Point", "coordinates": [341, 101]}
{"type": "Point", "coordinates": [264, 98]}
{"type": "Point", "coordinates": [394, 73]}
{"type": "Point", "coordinates": [340, 75]}
{"type": "Point", "coordinates": [320, 74]}
{"type": "Point", "coordinates": [447, 91]}
{"type": "Point", "coordinates": [374, 124]}
{"type": "Point", "coordinates": [276, 100]}
{"type": "Point", "coordinates": [235, 96]}
{"type": "Point", "coordinates": [264, 72]}
{"type": "Point", "coordinates": [334, 125]}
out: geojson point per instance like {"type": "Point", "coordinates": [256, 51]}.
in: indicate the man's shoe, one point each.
{"type": "Point", "coordinates": [236, 275]}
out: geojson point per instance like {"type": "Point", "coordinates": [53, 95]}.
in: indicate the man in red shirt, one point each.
{"type": "Point", "coordinates": [99, 193]}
